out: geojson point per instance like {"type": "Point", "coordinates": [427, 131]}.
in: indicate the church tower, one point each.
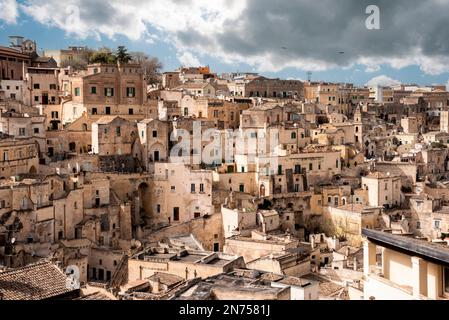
{"type": "Point", "coordinates": [358, 128]}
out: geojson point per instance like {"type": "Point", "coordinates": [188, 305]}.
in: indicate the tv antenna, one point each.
{"type": "Point", "coordinates": [309, 76]}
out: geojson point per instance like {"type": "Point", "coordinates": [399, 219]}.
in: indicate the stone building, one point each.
{"type": "Point", "coordinates": [180, 194]}
{"type": "Point", "coordinates": [18, 156]}
{"type": "Point", "coordinates": [154, 139]}
{"type": "Point", "coordinates": [182, 263]}
{"type": "Point", "coordinates": [42, 86]}
{"type": "Point", "coordinates": [349, 220]}
{"type": "Point", "coordinates": [103, 89]}
{"type": "Point", "coordinates": [113, 135]}
{"type": "Point", "coordinates": [384, 189]}
{"type": "Point", "coordinates": [274, 88]}
{"type": "Point", "coordinates": [408, 268]}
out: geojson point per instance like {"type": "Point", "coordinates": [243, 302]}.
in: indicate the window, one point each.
{"type": "Point", "coordinates": [108, 92]}
{"type": "Point", "coordinates": [329, 200]}
{"type": "Point", "coordinates": [192, 188]}
{"type": "Point", "coordinates": [242, 188]}
{"type": "Point", "coordinates": [21, 132]}
{"type": "Point", "coordinates": [36, 130]}
{"type": "Point", "coordinates": [215, 113]}
{"type": "Point", "coordinates": [336, 201]}
{"type": "Point", "coordinates": [52, 87]}
{"type": "Point", "coordinates": [173, 188]}
{"type": "Point", "coordinates": [36, 98]}
{"type": "Point", "coordinates": [118, 131]}
{"type": "Point", "coordinates": [108, 110]}
{"type": "Point", "coordinates": [386, 186]}
{"type": "Point", "coordinates": [310, 166]}
{"type": "Point", "coordinates": [293, 135]}
{"type": "Point", "coordinates": [418, 225]}
{"type": "Point", "coordinates": [176, 214]}
{"type": "Point", "coordinates": [196, 215]}
{"type": "Point", "coordinates": [130, 111]}
{"type": "Point", "coordinates": [77, 92]}
{"type": "Point", "coordinates": [337, 164]}
{"type": "Point", "coordinates": [437, 224]}
{"type": "Point", "coordinates": [158, 208]}
{"type": "Point", "coordinates": [94, 111]}
{"type": "Point", "coordinates": [130, 92]}
{"type": "Point", "coordinates": [154, 134]}
{"type": "Point", "coordinates": [93, 90]}
{"type": "Point", "coordinates": [36, 86]}
{"type": "Point", "coordinates": [201, 188]}
{"type": "Point", "coordinates": [297, 169]}
{"type": "Point", "coordinates": [296, 187]}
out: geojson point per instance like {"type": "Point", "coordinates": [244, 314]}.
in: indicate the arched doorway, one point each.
{"type": "Point", "coordinates": [144, 200]}
{"type": "Point", "coordinates": [262, 190]}
{"type": "Point", "coordinates": [33, 170]}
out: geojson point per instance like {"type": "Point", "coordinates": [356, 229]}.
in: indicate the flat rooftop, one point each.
{"type": "Point", "coordinates": [435, 252]}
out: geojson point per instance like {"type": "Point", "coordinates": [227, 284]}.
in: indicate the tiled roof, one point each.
{"type": "Point", "coordinates": [37, 281]}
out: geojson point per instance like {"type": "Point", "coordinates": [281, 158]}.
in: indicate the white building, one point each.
{"type": "Point", "coordinates": [384, 190]}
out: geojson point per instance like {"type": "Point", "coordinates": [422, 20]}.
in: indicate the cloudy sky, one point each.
{"type": "Point", "coordinates": [283, 38]}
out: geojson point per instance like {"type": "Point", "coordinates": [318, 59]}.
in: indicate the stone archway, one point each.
{"type": "Point", "coordinates": [143, 193]}
{"type": "Point", "coordinates": [262, 191]}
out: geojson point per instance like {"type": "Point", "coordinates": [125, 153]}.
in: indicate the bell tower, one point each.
{"type": "Point", "coordinates": [358, 128]}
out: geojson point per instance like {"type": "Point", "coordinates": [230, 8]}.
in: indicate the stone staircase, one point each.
{"type": "Point", "coordinates": [120, 274]}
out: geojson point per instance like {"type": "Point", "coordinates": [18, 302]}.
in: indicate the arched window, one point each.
{"type": "Point", "coordinates": [84, 127]}
{"type": "Point", "coordinates": [293, 135]}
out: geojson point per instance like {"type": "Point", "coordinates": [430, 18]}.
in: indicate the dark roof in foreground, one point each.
{"type": "Point", "coordinates": [96, 296]}
{"type": "Point", "coordinates": [39, 281]}
{"type": "Point", "coordinates": [427, 250]}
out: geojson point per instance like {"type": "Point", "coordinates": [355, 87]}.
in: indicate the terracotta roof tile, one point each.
{"type": "Point", "coordinates": [37, 281]}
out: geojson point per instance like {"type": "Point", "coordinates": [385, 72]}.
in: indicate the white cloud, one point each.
{"type": "Point", "coordinates": [9, 11]}
{"type": "Point", "coordinates": [383, 81]}
{"type": "Point", "coordinates": [187, 59]}
{"type": "Point", "coordinates": [266, 35]}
